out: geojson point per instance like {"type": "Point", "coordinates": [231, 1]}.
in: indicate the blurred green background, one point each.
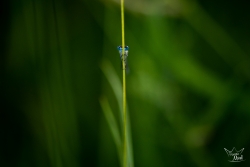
{"type": "Point", "coordinates": [188, 85]}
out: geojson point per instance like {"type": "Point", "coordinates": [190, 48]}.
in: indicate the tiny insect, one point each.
{"type": "Point", "coordinates": [125, 54]}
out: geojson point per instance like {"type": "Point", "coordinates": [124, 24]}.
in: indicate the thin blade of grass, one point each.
{"type": "Point", "coordinates": [116, 86]}
{"type": "Point", "coordinates": [112, 124]}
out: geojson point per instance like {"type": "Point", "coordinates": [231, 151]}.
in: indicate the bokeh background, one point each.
{"type": "Point", "coordinates": [188, 84]}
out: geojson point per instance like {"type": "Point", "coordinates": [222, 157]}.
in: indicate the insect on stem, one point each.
{"type": "Point", "coordinates": [125, 55]}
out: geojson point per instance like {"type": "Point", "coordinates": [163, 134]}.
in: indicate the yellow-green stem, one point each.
{"type": "Point", "coordinates": [124, 88]}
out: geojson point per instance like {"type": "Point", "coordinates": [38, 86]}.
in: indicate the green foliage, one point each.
{"type": "Point", "coordinates": [187, 90]}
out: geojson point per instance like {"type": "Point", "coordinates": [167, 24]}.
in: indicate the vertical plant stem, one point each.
{"type": "Point", "coordinates": [124, 89]}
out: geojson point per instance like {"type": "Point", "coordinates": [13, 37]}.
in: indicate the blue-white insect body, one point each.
{"type": "Point", "coordinates": [125, 54]}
